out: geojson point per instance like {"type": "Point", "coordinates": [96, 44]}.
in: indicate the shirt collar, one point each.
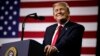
{"type": "Point", "coordinates": [63, 24]}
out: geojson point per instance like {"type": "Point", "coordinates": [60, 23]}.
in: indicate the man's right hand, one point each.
{"type": "Point", "coordinates": [49, 49]}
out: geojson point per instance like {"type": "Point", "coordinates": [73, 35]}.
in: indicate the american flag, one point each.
{"type": "Point", "coordinates": [12, 13]}
{"type": "Point", "coordinates": [9, 14]}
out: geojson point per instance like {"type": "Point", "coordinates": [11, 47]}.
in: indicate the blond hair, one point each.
{"type": "Point", "coordinates": [62, 4]}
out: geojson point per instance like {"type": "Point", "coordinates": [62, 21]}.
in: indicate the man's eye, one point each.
{"type": "Point", "coordinates": [56, 10]}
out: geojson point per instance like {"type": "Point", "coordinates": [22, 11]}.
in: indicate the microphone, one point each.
{"type": "Point", "coordinates": [35, 16]}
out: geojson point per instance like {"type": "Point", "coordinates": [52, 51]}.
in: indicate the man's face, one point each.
{"type": "Point", "coordinates": [60, 12]}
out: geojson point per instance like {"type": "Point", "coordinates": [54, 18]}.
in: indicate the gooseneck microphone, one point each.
{"type": "Point", "coordinates": [33, 16]}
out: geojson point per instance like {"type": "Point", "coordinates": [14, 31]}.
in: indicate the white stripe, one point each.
{"type": "Point", "coordinates": [91, 26]}
{"type": "Point", "coordinates": [88, 55]}
{"type": "Point", "coordinates": [35, 26]}
{"type": "Point", "coordinates": [89, 42]}
{"type": "Point", "coordinates": [85, 43]}
{"type": "Point", "coordinates": [93, 10]}
{"type": "Point", "coordinates": [49, 0]}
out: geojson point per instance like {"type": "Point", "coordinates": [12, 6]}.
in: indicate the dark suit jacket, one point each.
{"type": "Point", "coordinates": [70, 40]}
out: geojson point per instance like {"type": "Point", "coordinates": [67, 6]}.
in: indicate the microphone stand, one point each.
{"type": "Point", "coordinates": [23, 24]}
{"type": "Point", "coordinates": [23, 27]}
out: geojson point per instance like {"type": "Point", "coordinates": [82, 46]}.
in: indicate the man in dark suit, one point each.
{"type": "Point", "coordinates": [65, 37]}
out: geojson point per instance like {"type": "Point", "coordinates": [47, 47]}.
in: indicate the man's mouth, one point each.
{"type": "Point", "coordinates": [59, 14]}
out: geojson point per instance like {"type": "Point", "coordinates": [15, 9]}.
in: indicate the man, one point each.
{"type": "Point", "coordinates": [65, 37]}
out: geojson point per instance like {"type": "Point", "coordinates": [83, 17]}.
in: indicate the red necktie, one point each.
{"type": "Point", "coordinates": [56, 35]}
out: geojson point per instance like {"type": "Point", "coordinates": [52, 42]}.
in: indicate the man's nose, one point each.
{"type": "Point", "coordinates": [59, 12]}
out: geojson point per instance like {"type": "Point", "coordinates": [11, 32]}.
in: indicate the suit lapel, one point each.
{"type": "Point", "coordinates": [64, 30]}
{"type": "Point", "coordinates": [52, 32]}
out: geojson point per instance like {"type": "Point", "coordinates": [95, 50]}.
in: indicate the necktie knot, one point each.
{"type": "Point", "coordinates": [60, 27]}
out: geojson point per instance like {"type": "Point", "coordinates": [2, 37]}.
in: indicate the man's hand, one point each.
{"type": "Point", "coordinates": [50, 49]}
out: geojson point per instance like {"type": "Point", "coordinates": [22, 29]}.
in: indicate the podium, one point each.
{"type": "Point", "coordinates": [22, 48]}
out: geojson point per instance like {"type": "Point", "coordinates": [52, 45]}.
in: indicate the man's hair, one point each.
{"type": "Point", "coordinates": [62, 4]}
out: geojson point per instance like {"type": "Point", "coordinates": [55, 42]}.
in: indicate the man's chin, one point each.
{"type": "Point", "coordinates": [62, 21]}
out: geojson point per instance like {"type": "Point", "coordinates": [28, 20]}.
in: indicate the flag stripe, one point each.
{"type": "Point", "coordinates": [53, 0]}
{"type": "Point", "coordinates": [88, 55]}
{"type": "Point", "coordinates": [87, 34]}
{"type": "Point", "coordinates": [79, 11]}
{"type": "Point", "coordinates": [89, 50]}
{"type": "Point", "coordinates": [89, 42]}
{"type": "Point", "coordinates": [91, 18]}
{"type": "Point", "coordinates": [89, 26]}
{"type": "Point", "coordinates": [49, 4]}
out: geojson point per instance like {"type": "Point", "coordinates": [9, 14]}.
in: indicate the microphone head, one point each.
{"type": "Point", "coordinates": [35, 16]}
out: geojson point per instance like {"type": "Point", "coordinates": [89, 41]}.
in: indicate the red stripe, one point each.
{"type": "Point", "coordinates": [92, 18]}
{"type": "Point", "coordinates": [88, 50]}
{"type": "Point", "coordinates": [32, 34]}
{"type": "Point", "coordinates": [91, 34]}
{"type": "Point", "coordinates": [49, 4]}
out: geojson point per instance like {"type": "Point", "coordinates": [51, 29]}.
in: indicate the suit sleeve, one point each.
{"type": "Point", "coordinates": [47, 37]}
